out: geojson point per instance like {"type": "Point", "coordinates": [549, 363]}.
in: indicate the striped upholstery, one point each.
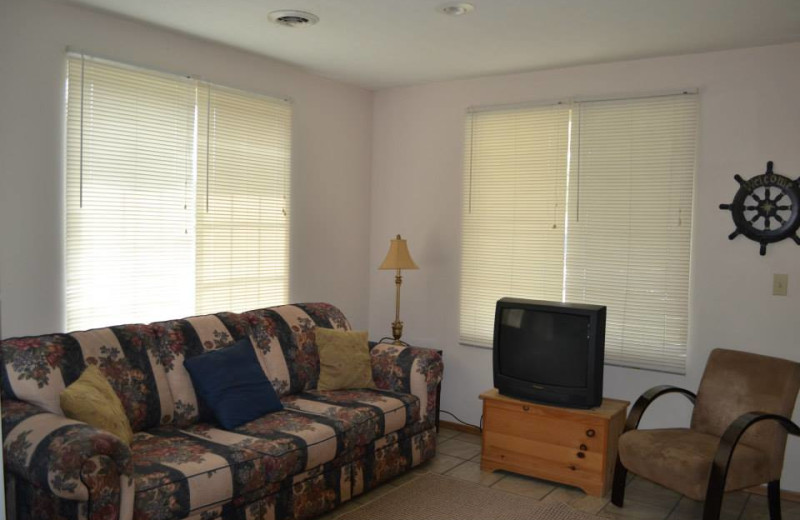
{"type": "Point", "coordinates": [324, 448]}
{"type": "Point", "coordinates": [183, 339]}
{"type": "Point", "coordinates": [284, 337]}
{"type": "Point", "coordinates": [37, 369]}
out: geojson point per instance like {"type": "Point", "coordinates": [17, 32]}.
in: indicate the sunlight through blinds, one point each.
{"type": "Point", "coordinates": [589, 202]}
{"type": "Point", "coordinates": [630, 224]}
{"type": "Point", "coordinates": [130, 136]}
{"type": "Point", "coordinates": [242, 201]}
{"type": "Point", "coordinates": [177, 196]}
{"type": "Point", "coordinates": [513, 212]}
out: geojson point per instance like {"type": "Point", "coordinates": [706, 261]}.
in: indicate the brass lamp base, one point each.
{"type": "Point", "coordinates": [397, 332]}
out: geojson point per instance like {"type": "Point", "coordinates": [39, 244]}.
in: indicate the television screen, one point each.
{"type": "Point", "coordinates": [549, 348]}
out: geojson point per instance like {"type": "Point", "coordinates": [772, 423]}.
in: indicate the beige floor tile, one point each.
{"type": "Point", "coordinates": [471, 471]}
{"type": "Point", "coordinates": [527, 486]}
{"type": "Point", "coordinates": [757, 509]}
{"type": "Point", "coordinates": [446, 433]}
{"type": "Point", "coordinates": [650, 494]}
{"type": "Point", "coordinates": [469, 437]}
{"type": "Point", "coordinates": [689, 509]}
{"type": "Point", "coordinates": [458, 448]}
{"type": "Point", "coordinates": [578, 499]}
{"type": "Point", "coordinates": [441, 463]}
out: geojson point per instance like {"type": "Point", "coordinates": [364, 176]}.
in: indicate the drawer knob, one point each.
{"type": "Point", "coordinates": [572, 467]}
{"type": "Point", "coordinates": [590, 433]}
{"type": "Point", "coordinates": [525, 407]}
{"type": "Point", "coordinates": [581, 455]}
{"type": "Point", "coordinates": [583, 447]}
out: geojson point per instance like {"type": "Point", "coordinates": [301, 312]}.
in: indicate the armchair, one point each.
{"type": "Point", "coordinates": [736, 439]}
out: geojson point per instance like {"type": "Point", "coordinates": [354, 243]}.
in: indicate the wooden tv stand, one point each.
{"type": "Point", "coordinates": [566, 445]}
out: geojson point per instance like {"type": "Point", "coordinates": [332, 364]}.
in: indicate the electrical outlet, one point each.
{"type": "Point", "coordinates": [780, 284]}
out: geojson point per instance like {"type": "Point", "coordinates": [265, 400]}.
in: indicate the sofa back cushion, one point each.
{"type": "Point", "coordinates": [184, 339]}
{"type": "Point", "coordinates": [37, 369]}
{"type": "Point", "coordinates": [284, 338]}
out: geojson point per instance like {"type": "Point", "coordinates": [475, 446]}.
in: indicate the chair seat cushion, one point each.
{"type": "Point", "coordinates": [680, 459]}
{"type": "Point", "coordinates": [176, 473]}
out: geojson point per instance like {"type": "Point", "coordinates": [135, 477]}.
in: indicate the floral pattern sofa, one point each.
{"type": "Point", "coordinates": [323, 449]}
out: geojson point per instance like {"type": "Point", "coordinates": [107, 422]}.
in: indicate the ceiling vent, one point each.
{"type": "Point", "coordinates": [293, 18]}
{"type": "Point", "coordinates": [456, 9]}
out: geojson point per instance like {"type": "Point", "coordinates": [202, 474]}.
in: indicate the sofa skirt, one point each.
{"type": "Point", "coordinates": [308, 495]}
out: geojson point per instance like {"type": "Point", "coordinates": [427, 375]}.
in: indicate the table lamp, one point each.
{"type": "Point", "coordinates": [398, 258]}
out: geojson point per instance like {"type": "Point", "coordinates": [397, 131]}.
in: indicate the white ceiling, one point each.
{"type": "Point", "coordinates": [384, 43]}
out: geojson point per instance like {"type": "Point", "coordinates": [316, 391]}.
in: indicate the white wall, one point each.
{"type": "Point", "coordinates": [750, 114]}
{"type": "Point", "coordinates": [332, 150]}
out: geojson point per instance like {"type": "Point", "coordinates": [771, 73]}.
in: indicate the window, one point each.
{"type": "Point", "coordinates": [586, 202]}
{"type": "Point", "coordinates": [177, 196]}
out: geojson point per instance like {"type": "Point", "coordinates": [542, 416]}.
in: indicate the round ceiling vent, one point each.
{"type": "Point", "coordinates": [293, 18]}
{"type": "Point", "coordinates": [456, 9]}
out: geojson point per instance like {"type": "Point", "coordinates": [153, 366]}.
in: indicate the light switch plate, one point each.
{"type": "Point", "coordinates": [780, 284]}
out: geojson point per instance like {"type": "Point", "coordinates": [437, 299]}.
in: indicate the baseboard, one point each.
{"type": "Point", "coordinates": [791, 496]}
{"type": "Point", "coordinates": [460, 427]}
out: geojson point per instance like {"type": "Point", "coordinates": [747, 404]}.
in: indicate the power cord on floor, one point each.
{"type": "Point", "coordinates": [480, 428]}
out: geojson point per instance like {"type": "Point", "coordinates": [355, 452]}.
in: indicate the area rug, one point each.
{"type": "Point", "coordinates": [436, 497]}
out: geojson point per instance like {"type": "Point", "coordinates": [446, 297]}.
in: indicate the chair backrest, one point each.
{"type": "Point", "coordinates": [735, 383]}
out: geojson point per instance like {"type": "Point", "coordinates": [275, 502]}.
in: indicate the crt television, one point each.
{"type": "Point", "coordinates": [550, 352]}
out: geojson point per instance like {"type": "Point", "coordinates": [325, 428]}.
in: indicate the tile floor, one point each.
{"type": "Point", "coordinates": [458, 456]}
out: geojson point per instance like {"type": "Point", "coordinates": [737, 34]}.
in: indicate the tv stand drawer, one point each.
{"type": "Point", "coordinates": [571, 446]}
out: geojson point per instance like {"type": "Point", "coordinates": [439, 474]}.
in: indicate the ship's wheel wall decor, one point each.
{"type": "Point", "coordinates": [766, 208]}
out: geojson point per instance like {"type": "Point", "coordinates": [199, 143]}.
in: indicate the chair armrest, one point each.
{"type": "Point", "coordinates": [71, 459]}
{"type": "Point", "coordinates": [648, 397]}
{"type": "Point", "coordinates": [727, 444]}
{"type": "Point", "coordinates": [410, 370]}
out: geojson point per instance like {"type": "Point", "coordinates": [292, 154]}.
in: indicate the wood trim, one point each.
{"type": "Point", "coordinates": [460, 427]}
{"type": "Point", "coordinates": [791, 496]}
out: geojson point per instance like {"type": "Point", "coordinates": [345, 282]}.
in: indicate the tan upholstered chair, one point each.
{"type": "Point", "coordinates": [736, 438]}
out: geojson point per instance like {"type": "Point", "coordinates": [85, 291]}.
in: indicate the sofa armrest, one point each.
{"type": "Point", "coordinates": [410, 370]}
{"type": "Point", "coordinates": [69, 458]}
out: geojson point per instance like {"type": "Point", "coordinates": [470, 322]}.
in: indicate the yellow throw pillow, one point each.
{"type": "Point", "coordinates": [91, 399]}
{"type": "Point", "coordinates": [344, 359]}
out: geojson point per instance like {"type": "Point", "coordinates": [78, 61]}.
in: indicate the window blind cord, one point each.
{"type": "Point", "coordinates": [471, 152]}
{"type": "Point", "coordinates": [80, 153]}
{"type": "Point", "coordinates": [208, 141]}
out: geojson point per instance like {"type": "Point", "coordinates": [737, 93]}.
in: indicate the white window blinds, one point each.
{"type": "Point", "coordinates": [514, 203]}
{"type": "Point", "coordinates": [243, 203]}
{"type": "Point", "coordinates": [145, 235]}
{"type": "Point", "coordinates": [625, 223]}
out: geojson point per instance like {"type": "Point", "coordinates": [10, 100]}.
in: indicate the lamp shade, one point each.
{"type": "Point", "coordinates": [398, 256]}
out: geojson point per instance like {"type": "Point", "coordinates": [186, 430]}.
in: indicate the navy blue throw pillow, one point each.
{"type": "Point", "coordinates": [230, 381]}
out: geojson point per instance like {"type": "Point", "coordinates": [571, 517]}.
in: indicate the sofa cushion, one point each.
{"type": "Point", "coordinates": [380, 411]}
{"type": "Point", "coordinates": [653, 454]}
{"type": "Point", "coordinates": [180, 340]}
{"type": "Point", "coordinates": [344, 360]}
{"type": "Point", "coordinates": [285, 337]}
{"type": "Point", "coordinates": [231, 382]}
{"type": "Point", "coordinates": [37, 369]}
{"type": "Point", "coordinates": [176, 473]}
{"type": "Point", "coordinates": [317, 428]}
{"type": "Point", "coordinates": [91, 399]}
